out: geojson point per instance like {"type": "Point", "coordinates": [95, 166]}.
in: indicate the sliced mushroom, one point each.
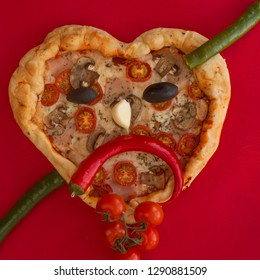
{"type": "Point", "coordinates": [185, 116]}
{"type": "Point", "coordinates": [81, 75]}
{"type": "Point", "coordinates": [153, 179]}
{"type": "Point", "coordinates": [96, 139]}
{"type": "Point", "coordinates": [163, 67]}
{"type": "Point", "coordinates": [117, 131]}
{"type": "Point", "coordinates": [170, 62]}
{"type": "Point", "coordinates": [58, 130]}
{"type": "Point", "coordinates": [56, 120]}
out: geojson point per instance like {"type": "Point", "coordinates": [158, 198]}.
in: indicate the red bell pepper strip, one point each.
{"type": "Point", "coordinates": [85, 174]}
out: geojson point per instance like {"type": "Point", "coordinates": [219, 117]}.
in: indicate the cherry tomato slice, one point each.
{"type": "Point", "coordinates": [150, 212]}
{"type": "Point", "coordinates": [138, 71]}
{"type": "Point", "coordinates": [85, 120]}
{"type": "Point", "coordinates": [100, 190]}
{"type": "Point", "coordinates": [150, 239]}
{"type": "Point", "coordinates": [167, 139]}
{"type": "Point", "coordinates": [125, 173]}
{"type": "Point", "coordinates": [113, 231]}
{"type": "Point", "coordinates": [50, 95]}
{"type": "Point", "coordinates": [141, 130]}
{"type": "Point", "coordinates": [112, 204]}
{"type": "Point", "coordinates": [132, 253]}
{"type": "Point", "coordinates": [97, 87]}
{"type": "Point", "coordinates": [100, 177]}
{"type": "Point", "coordinates": [187, 144]}
{"type": "Point", "coordinates": [161, 106]}
{"type": "Point", "coordinates": [63, 82]}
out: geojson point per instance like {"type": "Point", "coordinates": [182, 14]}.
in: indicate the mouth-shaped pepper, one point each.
{"type": "Point", "coordinates": [85, 174]}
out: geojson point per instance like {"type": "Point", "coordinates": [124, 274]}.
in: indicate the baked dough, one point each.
{"type": "Point", "coordinates": [27, 83]}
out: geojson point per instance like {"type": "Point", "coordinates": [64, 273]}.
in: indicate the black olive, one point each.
{"type": "Point", "coordinates": [82, 95]}
{"type": "Point", "coordinates": [160, 92]}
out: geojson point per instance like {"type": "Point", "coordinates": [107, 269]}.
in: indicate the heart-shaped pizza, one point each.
{"type": "Point", "coordinates": [82, 93]}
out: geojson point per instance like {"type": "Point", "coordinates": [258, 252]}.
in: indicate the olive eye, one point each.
{"type": "Point", "coordinates": [82, 95]}
{"type": "Point", "coordinates": [160, 92]}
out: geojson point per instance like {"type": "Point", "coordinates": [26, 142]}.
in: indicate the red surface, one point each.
{"type": "Point", "coordinates": [217, 218]}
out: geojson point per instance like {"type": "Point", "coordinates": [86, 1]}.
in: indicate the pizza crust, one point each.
{"type": "Point", "coordinates": [27, 84]}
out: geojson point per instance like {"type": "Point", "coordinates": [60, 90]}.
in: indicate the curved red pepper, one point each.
{"type": "Point", "coordinates": [88, 168]}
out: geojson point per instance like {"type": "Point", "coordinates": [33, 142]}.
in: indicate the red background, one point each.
{"type": "Point", "coordinates": [217, 218]}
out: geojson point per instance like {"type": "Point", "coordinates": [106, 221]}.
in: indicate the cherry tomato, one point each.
{"type": "Point", "coordinates": [150, 212]}
{"type": "Point", "coordinates": [161, 106]}
{"type": "Point", "coordinates": [132, 253]}
{"type": "Point", "coordinates": [150, 239]}
{"type": "Point", "coordinates": [100, 177]}
{"type": "Point", "coordinates": [85, 120]}
{"type": "Point", "coordinates": [187, 144]}
{"type": "Point", "coordinates": [50, 95]}
{"type": "Point", "coordinates": [100, 190]}
{"type": "Point", "coordinates": [194, 91]}
{"type": "Point", "coordinates": [125, 173]}
{"type": "Point", "coordinates": [97, 87]}
{"type": "Point", "coordinates": [113, 231]}
{"type": "Point", "coordinates": [63, 82]}
{"type": "Point", "coordinates": [167, 139]}
{"type": "Point", "coordinates": [141, 130]}
{"type": "Point", "coordinates": [112, 204]}
{"type": "Point", "coordinates": [138, 71]}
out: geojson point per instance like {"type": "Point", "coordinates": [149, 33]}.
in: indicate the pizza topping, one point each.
{"type": "Point", "coordinates": [160, 92]}
{"type": "Point", "coordinates": [50, 95]}
{"type": "Point", "coordinates": [167, 139]}
{"type": "Point", "coordinates": [56, 120]}
{"type": "Point", "coordinates": [100, 190]}
{"type": "Point", "coordinates": [97, 87]}
{"type": "Point", "coordinates": [82, 95]}
{"type": "Point", "coordinates": [138, 71]}
{"type": "Point", "coordinates": [116, 89]}
{"type": "Point", "coordinates": [85, 120]}
{"type": "Point", "coordinates": [110, 135]}
{"type": "Point", "coordinates": [185, 116]}
{"type": "Point", "coordinates": [187, 145]}
{"type": "Point", "coordinates": [161, 106]}
{"type": "Point", "coordinates": [165, 63]}
{"type": "Point", "coordinates": [95, 139]}
{"type": "Point", "coordinates": [100, 177]}
{"type": "Point", "coordinates": [170, 62]}
{"type": "Point", "coordinates": [154, 180]}
{"type": "Point", "coordinates": [81, 75]}
{"type": "Point", "coordinates": [125, 173]}
{"type": "Point", "coordinates": [63, 81]}
{"type": "Point", "coordinates": [141, 130]}
{"type": "Point", "coordinates": [121, 114]}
